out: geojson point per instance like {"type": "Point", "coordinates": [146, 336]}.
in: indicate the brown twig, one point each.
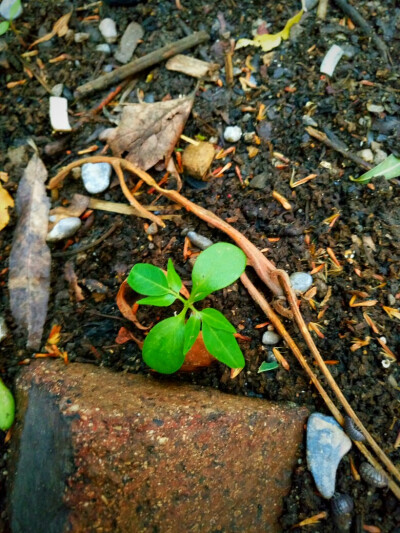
{"type": "Point", "coordinates": [138, 65]}
{"type": "Point", "coordinates": [366, 27]}
{"type": "Point", "coordinates": [332, 144]}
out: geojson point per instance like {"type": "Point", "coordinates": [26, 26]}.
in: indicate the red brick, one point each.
{"type": "Point", "coordinates": [116, 453]}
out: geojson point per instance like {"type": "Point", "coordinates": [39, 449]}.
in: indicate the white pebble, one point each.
{"type": "Point", "coordinates": [374, 108]}
{"type": "Point", "coordinates": [232, 134]}
{"type": "Point", "coordinates": [6, 7]}
{"type": "Point", "coordinates": [59, 114]}
{"type": "Point", "coordinates": [108, 29]}
{"type": "Point", "coordinates": [103, 48]}
{"type": "Point", "coordinates": [96, 177]}
{"type": "Point", "coordinates": [367, 155]}
{"type": "Point", "coordinates": [63, 229]}
{"type": "Point", "coordinates": [133, 33]}
{"type": "Point", "coordinates": [331, 59]}
{"type": "Point", "coordinates": [80, 37]}
{"type": "Point", "coordinates": [270, 337]}
{"type": "Point", "coordinates": [57, 89]}
{"type": "Point", "coordinates": [3, 329]}
{"type": "Point", "coordinates": [301, 281]}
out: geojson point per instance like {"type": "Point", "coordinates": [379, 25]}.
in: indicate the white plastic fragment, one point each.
{"type": "Point", "coordinates": [108, 29]}
{"type": "Point", "coordinates": [59, 114]}
{"type": "Point", "coordinates": [96, 177]}
{"type": "Point", "coordinates": [301, 281]}
{"type": "Point", "coordinates": [63, 229]}
{"type": "Point", "coordinates": [331, 59]}
{"type": "Point", "coordinates": [270, 337]}
{"type": "Point", "coordinates": [232, 134]}
{"type": "Point", "coordinates": [6, 7]}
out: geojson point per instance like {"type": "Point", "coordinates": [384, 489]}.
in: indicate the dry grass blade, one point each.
{"type": "Point", "coordinates": [30, 258]}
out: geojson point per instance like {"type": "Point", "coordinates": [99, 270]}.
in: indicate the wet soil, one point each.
{"type": "Point", "coordinates": [364, 238]}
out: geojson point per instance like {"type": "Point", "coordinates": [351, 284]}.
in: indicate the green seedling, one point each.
{"type": "Point", "coordinates": [267, 367]}
{"type": "Point", "coordinates": [7, 408]}
{"type": "Point", "coordinates": [6, 24]}
{"type": "Point", "coordinates": [168, 342]}
{"type": "Point", "coordinates": [389, 169]}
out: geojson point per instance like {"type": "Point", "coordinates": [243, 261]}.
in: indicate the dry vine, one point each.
{"type": "Point", "coordinates": [276, 280]}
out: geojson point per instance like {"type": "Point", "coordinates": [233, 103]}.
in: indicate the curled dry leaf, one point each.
{"type": "Point", "coordinates": [125, 300]}
{"type": "Point", "coordinates": [5, 202]}
{"type": "Point", "coordinates": [71, 277]}
{"type": "Point", "coordinates": [30, 256]}
{"type": "Point", "coordinates": [76, 208]}
{"type": "Point", "coordinates": [60, 28]}
{"type": "Point", "coordinates": [124, 335]}
{"type": "Point", "coordinates": [149, 132]}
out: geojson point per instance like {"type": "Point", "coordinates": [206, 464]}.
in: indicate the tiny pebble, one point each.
{"type": "Point", "coordinates": [152, 229]}
{"type": "Point", "coordinates": [76, 172]}
{"type": "Point", "coordinates": [199, 240]}
{"type": "Point", "coordinates": [57, 89]}
{"type": "Point", "coordinates": [129, 41]}
{"type": "Point", "coordinates": [108, 30]}
{"type": "Point", "coordinates": [375, 108]}
{"type": "Point", "coordinates": [96, 177]}
{"type": "Point", "coordinates": [310, 4]}
{"type": "Point", "coordinates": [232, 134]}
{"type": "Point", "coordinates": [391, 299]}
{"type": "Point", "coordinates": [80, 37]}
{"type": "Point", "coordinates": [379, 156]}
{"type": "Point", "coordinates": [104, 48]}
{"type": "Point", "coordinates": [366, 154]}
{"type": "Point", "coordinates": [309, 121]}
{"type": "Point", "coordinates": [270, 337]}
{"type": "Point", "coordinates": [63, 229]}
{"type": "Point", "coordinates": [5, 8]}
{"type": "Point", "coordinates": [3, 328]}
{"type": "Point", "coordinates": [301, 281]}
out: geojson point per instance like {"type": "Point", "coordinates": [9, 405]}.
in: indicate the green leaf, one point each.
{"type": "Point", "coordinates": [163, 346]}
{"type": "Point", "coordinates": [14, 9]}
{"type": "Point", "coordinates": [216, 320]}
{"type": "Point", "coordinates": [7, 408]}
{"type": "Point", "coordinates": [389, 168]}
{"type": "Point", "coordinates": [266, 367]}
{"type": "Point", "coordinates": [217, 267]}
{"type": "Point", "coordinates": [4, 27]}
{"type": "Point", "coordinates": [148, 279]}
{"type": "Point", "coordinates": [159, 301]}
{"type": "Point", "coordinates": [192, 329]}
{"type": "Point", "coordinates": [223, 346]}
{"type": "Point", "coordinates": [174, 281]}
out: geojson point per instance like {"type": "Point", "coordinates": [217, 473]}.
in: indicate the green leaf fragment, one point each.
{"type": "Point", "coordinates": [192, 330]}
{"type": "Point", "coordinates": [266, 367]}
{"type": "Point", "coordinates": [217, 267]}
{"type": "Point", "coordinates": [174, 281]}
{"type": "Point", "coordinates": [4, 27]}
{"type": "Point", "coordinates": [14, 9]}
{"type": "Point", "coordinates": [7, 407]}
{"type": "Point", "coordinates": [389, 169]}
{"type": "Point", "coordinates": [223, 346]}
{"type": "Point", "coordinates": [148, 279]}
{"type": "Point", "coordinates": [216, 320]}
{"type": "Point", "coordinates": [163, 346]}
{"type": "Point", "coordinates": [159, 301]}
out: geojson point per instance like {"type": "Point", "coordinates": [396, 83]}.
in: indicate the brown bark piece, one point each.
{"type": "Point", "coordinates": [149, 132]}
{"type": "Point", "coordinates": [197, 159]}
{"type": "Point", "coordinates": [191, 66]}
{"type": "Point", "coordinates": [132, 454]}
{"type": "Point", "coordinates": [30, 259]}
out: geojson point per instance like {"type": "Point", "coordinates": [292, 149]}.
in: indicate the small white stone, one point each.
{"type": "Point", "coordinates": [5, 8]}
{"type": "Point", "coordinates": [80, 37]}
{"type": "Point", "coordinates": [57, 89]}
{"type": "Point", "coordinates": [379, 156]}
{"type": "Point", "coordinates": [104, 48]}
{"type": "Point", "coordinates": [232, 134]}
{"type": "Point", "coordinates": [63, 229]}
{"type": "Point", "coordinates": [96, 177]}
{"type": "Point", "coordinates": [108, 29]}
{"type": "Point", "coordinates": [59, 114]}
{"type": "Point", "coordinates": [301, 281]}
{"type": "Point", "coordinates": [374, 108]}
{"type": "Point", "coordinates": [270, 337]}
{"type": "Point", "coordinates": [3, 328]}
{"type": "Point", "coordinates": [366, 154]}
{"type": "Point", "coordinates": [331, 59]}
{"type": "Point", "coordinates": [133, 33]}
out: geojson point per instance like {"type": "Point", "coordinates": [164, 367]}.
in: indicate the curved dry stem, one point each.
{"type": "Point", "coordinates": [291, 296]}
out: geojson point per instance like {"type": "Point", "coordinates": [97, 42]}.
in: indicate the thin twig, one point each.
{"type": "Point", "coordinates": [332, 144]}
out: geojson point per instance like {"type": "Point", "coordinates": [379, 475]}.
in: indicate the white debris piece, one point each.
{"type": "Point", "coordinates": [63, 229]}
{"type": "Point", "coordinates": [129, 41]}
{"type": "Point", "coordinates": [108, 29]}
{"type": "Point", "coordinates": [331, 59]}
{"type": "Point", "coordinates": [232, 134]}
{"type": "Point", "coordinates": [96, 177]}
{"type": "Point", "coordinates": [270, 337]}
{"type": "Point", "coordinates": [301, 281]}
{"type": "Point", "coordinates": [59, 114]}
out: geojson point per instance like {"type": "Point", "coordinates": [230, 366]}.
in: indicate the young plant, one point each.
{"type": "Point", "coordinates": [168, 342]}
{"type": "Point", "coordinates": [14, 10]}
{"type": "Point", "coordinates": [389, 169]}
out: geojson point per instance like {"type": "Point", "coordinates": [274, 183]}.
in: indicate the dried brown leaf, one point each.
{"type": "Point", "coordinates": [76, 208]}
{"type": "Point", "coordinates": [60, 28]}
{"type": "Point", "coordinates": [71, 277]}
{"type": "Point", "coordinates": [149, 132]}
{"type": "Point", "coordinates": [30, 258]}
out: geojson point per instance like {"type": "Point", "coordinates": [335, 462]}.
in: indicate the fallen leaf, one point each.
{"type": "Point", "coordinates": [71, 277]}
{"type": "Point", "coordinates": [149, 132]}
{"type": "Point", "coordinates": [30, 257]}
{"type": "Point", "coordinates": [389, 169]}
{"type": "Point", "coordinates": [268, 41]}
{"type": "Point", "coordinates": [5, 202]}
{"type": "Point", "coordinates": [191, 66]}
{"type": "Point", "coordinates": [125, 298]}
{"type": "Point", "coordinates": [124, 335]}
{"type": "Point", "coordinates": [60, 28]}
{"type": "Point", "coordinates": [78, 205]}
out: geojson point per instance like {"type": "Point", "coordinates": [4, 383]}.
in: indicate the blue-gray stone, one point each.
{"type": "Point", "coordinates": [96, 177]}
{"type": "Point", "coordinates": [301, 281]}
{"type": "Point", "coordinates": [327, 443]}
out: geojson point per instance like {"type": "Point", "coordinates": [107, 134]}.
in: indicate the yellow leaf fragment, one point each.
{"type": "Point", "coordinates": [268, 41]}
{"type": "Point", "coordinates": [60, 28]}
{"type": "Point", "coordinates": [312, 520]}
{"type": "Point", "coordinates": [5, 202]}
{"type": "Point", "coordinates": [392, 312]}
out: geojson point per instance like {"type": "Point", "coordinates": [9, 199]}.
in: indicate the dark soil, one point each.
{"type": "Point", "coordinates": [339, 105]}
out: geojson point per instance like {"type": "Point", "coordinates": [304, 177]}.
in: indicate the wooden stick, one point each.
{"type": "Point", "coordinates": [365, 26]}
{"type": "Point", "coordinates": [138, 65]}
{"type": "Point", "coordinates": [345, 153]}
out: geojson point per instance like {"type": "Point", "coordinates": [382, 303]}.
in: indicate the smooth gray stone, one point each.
{"type": "Point", "coordinates": [327, 443]}
{"type": "Point", "coordinates": [96, 177]}
{"type": "Point", "coordinates": [301, 281]}
{"type": "Point", "coordinates": [63, 229]}
{"type": "Point", "coordinates": [260, 181]}
{"type": "Point", "coordinates": [270, 337]}
{"type": "Point", "coordinates": [129, 42]}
